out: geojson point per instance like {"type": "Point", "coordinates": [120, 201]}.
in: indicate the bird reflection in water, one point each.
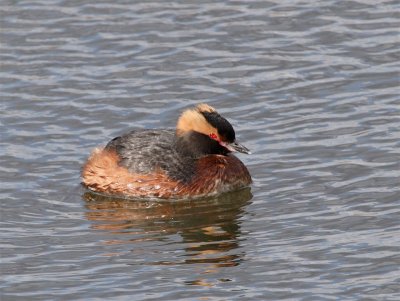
{"type": "Point", "coordinates": [208, 228]}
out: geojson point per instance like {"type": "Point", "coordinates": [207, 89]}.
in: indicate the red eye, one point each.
{"type": "Point", "coordinates": [213, 136]}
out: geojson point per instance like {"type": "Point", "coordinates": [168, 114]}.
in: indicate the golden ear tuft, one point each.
{"type": "Point", "coordinates": [205, 108]}
{"type": "Point", "coordinates": [193, 120]}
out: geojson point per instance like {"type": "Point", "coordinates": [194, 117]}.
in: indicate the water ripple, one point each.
{"type": "Point", "coordinates": [310, 87]}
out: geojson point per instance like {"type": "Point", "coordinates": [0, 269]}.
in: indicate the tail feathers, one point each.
{"type": "Point", "coordinates": [102, 172]}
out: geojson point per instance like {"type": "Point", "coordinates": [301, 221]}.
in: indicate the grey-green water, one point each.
{"type": "Point", "coordinates": [312, 88]}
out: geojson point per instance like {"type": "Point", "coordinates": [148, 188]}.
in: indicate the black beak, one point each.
{"type": "Point", "coordinates": [235, 146]}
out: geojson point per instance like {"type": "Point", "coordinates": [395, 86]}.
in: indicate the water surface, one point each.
{"type": "Point", "coordinates": [312, 88]}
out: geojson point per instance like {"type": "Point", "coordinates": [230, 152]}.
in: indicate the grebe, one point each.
{"type": "Point", "coordinates": [194, 160]}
